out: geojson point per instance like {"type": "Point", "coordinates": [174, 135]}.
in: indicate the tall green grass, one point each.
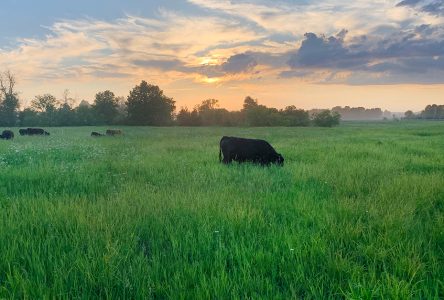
{"type": "Point", "coordinates": [357, 212]}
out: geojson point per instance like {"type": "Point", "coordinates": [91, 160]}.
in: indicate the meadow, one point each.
{"type": "Point", "coordinates": [357, 212]}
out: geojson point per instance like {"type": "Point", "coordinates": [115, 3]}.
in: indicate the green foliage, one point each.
{"type": "Point", "coordinates": [9, 102]}
{"type": "Point", "coordinates": [357, 212]}
{"type": "Point", "coordinates": [259, 115]}
{"type": "Point", "coordinates": [359, 113]}
{"type": "Point", "coordinates": [147, 105]}
{"type": "Point", "coordinates": [105, 108]}
{"type": "Point", "coordinates": [295, 117]}
{"type": "Point", "coordinates": [433, 112]}
{"type": "Point", "coordinates": [409, 115]}
{"type": "Point", "coordinates": [188, 118]}
{"type": "Point", "coordinates": [46, 108]}
{"type": "Point", "coordinates": [9, 110]}
{"type": "Point", "coordinates": [327, 118]}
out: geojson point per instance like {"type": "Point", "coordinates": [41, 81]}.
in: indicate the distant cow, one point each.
{"type": "Point", "coordinates": [248, 150]}
{"type": "Point", "coordinates": [113, 132]}
{"type": "Point", "coordinates": [96, 134]}
{"type": "Point", "coordinates": [33, 131]}
{"type": "Point", "coordinates": [7, 135]}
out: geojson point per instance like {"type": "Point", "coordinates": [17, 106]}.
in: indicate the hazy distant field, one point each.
{"type": "Point", "coordinates": [356, 212]}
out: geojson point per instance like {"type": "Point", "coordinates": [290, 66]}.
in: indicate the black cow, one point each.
{"type": "Point", "coordinates": [96, 134]}
{"type": "Point", "coordinates": [248, 150]}
{"type": "Point", "coordinates": [113, 132]}
{"type": "Point", "coordinates": [7, 135]}
{"type": "Point", "coordinates": [33, 131]}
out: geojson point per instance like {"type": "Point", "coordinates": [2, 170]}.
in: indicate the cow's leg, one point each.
{"type": "Point", "coordinates": [227, 158]}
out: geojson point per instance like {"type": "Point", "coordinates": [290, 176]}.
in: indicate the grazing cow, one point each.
{"type": "Point", "coordinates": [96, 134]}
{"type": "Point", "coordinates": [36, 131]}
{"type": "Point", "coordinates": [248, 150]}
{"type": "Point", "coordinates": [113, 132]}
{"type": "Point", "coordinates": [7, 135]}
{"type": "Point", "coordinates": [23, 132]}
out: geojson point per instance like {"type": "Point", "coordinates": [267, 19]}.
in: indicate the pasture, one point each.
{"type": "Point", "coordinates": [356, 212]}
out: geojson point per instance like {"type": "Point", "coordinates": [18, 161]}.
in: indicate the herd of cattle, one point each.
{"type": "Point", "coordinates": [9, 135]}
{"type": "Point", "coordinates": [232, 148]}
{"type": "Point", "coordinates": [109, 132]}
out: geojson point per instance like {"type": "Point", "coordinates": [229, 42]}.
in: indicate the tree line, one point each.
{"type": "Point", "coordinates": [253, 114]}
{"type": "Point", "coordinates": [431, 112]}
{"type": "Point", "coordinates": [147, 105]}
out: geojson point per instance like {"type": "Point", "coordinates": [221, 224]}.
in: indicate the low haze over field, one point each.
{"type": "Point", "coordinates": [310, 54]}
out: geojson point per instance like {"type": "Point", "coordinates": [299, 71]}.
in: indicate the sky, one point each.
{"type": "Point", "coordinates": [307, 53]}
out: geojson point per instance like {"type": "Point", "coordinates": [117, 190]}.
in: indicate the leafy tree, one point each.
{"type": "Point", "coordinates": [409, 115]}
{"type": "Point", "coordinates": [147, 105]}
{"type": "Point", "coordinates": [433, 112]}
{"type": "Point", "coordinates": [29, 117]}
{"type": "Point", "coordinates": [295, 117]}
{"type": "Point", "coordinates": [9, 103]}
{"type": "Point", "coordinates": [84, 115]}
{"type": "Point", "coordinates": [106, 107]}
{"type": "Point", "coordinates": [359, 113]}
{"type": "Point", "coordinates": [259, 115]}
{"type": "Point", "coordinates": [121, 117]}
{"type": "Point", "coordinates": [65, 115]}
{"type": "Point", "coordinates": [46, 103]}
{"type": "Point", "coordinates": [211, 115]}
{"type": "Point", "coordinates": [327, 118]}
{"type": "Point", "coordinates": [45, 106]}
{"type": "Point", "coordinates": [188, 118]}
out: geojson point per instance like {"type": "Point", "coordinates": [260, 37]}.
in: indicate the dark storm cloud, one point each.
{"type": "Point", "coordinates": [416, 54]}
{"type": "Point", "coordinates": [408, 3]}
{"type": "Point", "coordinates": [327, 52]}
{"type": "Point", "coordinates": [239, 63]}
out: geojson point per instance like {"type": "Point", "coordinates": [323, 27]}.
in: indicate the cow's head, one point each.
{"type": "Point", "coordinates": [279, 159]}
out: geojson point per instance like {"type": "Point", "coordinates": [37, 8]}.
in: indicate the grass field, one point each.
{"type": "Point", "coordinates": [357, 212]}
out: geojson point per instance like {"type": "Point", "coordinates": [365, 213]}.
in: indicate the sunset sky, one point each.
{"type": "Point", "coordinates": [312, 54]}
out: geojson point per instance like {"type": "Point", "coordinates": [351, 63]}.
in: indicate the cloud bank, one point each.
{"type": "Point", "coordinates": [359, 43]}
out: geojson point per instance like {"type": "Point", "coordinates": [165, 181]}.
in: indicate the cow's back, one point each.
{"type": "Point", "coordinates": [242, 149]}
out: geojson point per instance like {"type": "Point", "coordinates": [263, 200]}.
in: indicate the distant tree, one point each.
{"type": "Point", "coordinates": [327, 118]}
{"type": "Point", "coordinates": [65, 115]}
{"type": "Point", "coordinates": [249, 103]}
{"type": "Point", "coordinates": [359, 113]}
{"type": "Point", "coordinates": [211, 115]}
{"type": "Point", "coordinates": [46, 107]}
{"type": "Point", "coordinates": [121, 117]}
{"type": "Point", "coordinates": [67, 99]}
{"type": "Point", "coordinates": [84, 115]}
{"type": "Point", "coordinates": [106, 107]}
{"type": "Point", "coordinates": [209, 104]}
{"type": "Point", "coordinates": [147, 105]}
{"type": "Point", "coordinates": [188, 118]}
{"type": "Point", "coordinates": [295, 117]}
{"type": "Point", "coordinates": [409, 115]}
{"type": "Point", "coordinates": [9, 102]}
{"type": "Point", "coordinates": [433, 112]}
{"type": "Point", "coordinates": [28, 117]}
{"type": "Point", "coordinates": [44, 103]}
{"type": "Point", "coordinates": [259, 115]}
